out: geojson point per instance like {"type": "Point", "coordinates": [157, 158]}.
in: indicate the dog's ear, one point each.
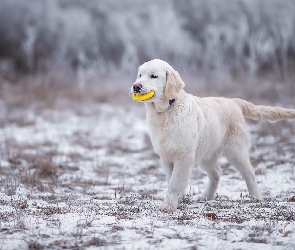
{"type": "Point", "coordinates": [173, 84]}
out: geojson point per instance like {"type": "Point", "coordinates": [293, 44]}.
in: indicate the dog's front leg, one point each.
{"type": "Point", "coordinates": [177, 183]}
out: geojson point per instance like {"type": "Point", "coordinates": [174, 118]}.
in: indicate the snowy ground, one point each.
{"type": "Point", "coordinates": [86, 176]}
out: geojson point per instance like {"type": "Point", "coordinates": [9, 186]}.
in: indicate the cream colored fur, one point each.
{"type": "Point", "coordinates": [199, 130]}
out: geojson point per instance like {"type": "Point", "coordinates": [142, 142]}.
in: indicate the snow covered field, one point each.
{"type": "Point", "coordinates": [77, 169]}
{"type": "Point", "coordinates": [84, 175]}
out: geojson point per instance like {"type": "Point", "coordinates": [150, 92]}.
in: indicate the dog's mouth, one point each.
{"type": "Point", "coordinates": [143, 97]}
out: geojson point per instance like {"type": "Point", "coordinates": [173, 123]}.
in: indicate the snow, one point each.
{"type": "Point", "coordinates": [107, 187]}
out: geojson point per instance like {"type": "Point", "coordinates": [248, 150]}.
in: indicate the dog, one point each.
{"type": "Point", "coordinates": [185, 129]}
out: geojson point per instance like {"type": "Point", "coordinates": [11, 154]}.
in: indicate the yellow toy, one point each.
{"type": "Point", "coordinates": [143, 97]}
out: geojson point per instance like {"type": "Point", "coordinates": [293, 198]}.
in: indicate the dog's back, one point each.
{"type": "Point", "coordinates": [219, 117]}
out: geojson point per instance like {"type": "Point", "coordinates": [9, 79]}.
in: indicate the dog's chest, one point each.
{"type": "Point", "coordinates": [172, 132]}
{"type": "Point", "coordinates": [159, 127]}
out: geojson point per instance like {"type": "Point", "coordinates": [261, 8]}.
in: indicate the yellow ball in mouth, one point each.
{"type": "Point", "coordinates": [143, 97]}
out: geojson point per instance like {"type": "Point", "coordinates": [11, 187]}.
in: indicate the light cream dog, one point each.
{"type": "Point", "coordinates": [185, 129]}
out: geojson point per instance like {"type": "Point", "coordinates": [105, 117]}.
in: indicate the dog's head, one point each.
{"type": "Point", "coordinates": [156, 82]}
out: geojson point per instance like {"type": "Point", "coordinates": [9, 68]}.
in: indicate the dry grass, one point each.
{"type": "Point", "coordinates": [264, 89]}
{"type": "Point", "coordinates": [55, 91]}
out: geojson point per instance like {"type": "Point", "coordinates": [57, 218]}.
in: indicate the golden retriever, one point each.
{"type": "Point", "coordinates": [185, 129]}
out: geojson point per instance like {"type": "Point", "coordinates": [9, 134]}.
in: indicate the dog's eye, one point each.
{"type": "Point", "coordinates": [154, 76]}
{"type": "Point", "coordinates": [139, 76]}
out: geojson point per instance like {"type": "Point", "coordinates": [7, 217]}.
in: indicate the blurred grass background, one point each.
{"type": "Point", "coordinates": [90, 50]}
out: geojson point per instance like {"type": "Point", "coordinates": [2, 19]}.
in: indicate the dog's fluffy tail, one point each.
{"type": "Point", "coordinates": [259, 112]}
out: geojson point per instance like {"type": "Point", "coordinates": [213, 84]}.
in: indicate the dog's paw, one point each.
{"type": "Point", "coordinates": [202, 198]}
{"type": "Point", "coordinates": [257, 198]}
{"type": "Point", "coordinates": [205, 197]}
{"type": "Point", "coordinates": [167, 207]}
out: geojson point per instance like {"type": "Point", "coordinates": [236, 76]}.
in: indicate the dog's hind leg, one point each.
{"type": "Point", "coordinates": [213, 170]}
{"type": "Point", "coordinates": [237, 152]}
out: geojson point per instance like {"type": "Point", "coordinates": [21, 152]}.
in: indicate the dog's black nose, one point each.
{"type": "Point", "coordinates": [137, 87]}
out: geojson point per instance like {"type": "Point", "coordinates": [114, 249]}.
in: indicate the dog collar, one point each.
{"type": "Point", "coordinates": [171, 101]}
{"type": "Point", "coordinates": [170, 104]}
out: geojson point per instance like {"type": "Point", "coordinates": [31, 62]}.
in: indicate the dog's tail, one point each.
{"type": "Point", "coordinates": [259, 112]}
